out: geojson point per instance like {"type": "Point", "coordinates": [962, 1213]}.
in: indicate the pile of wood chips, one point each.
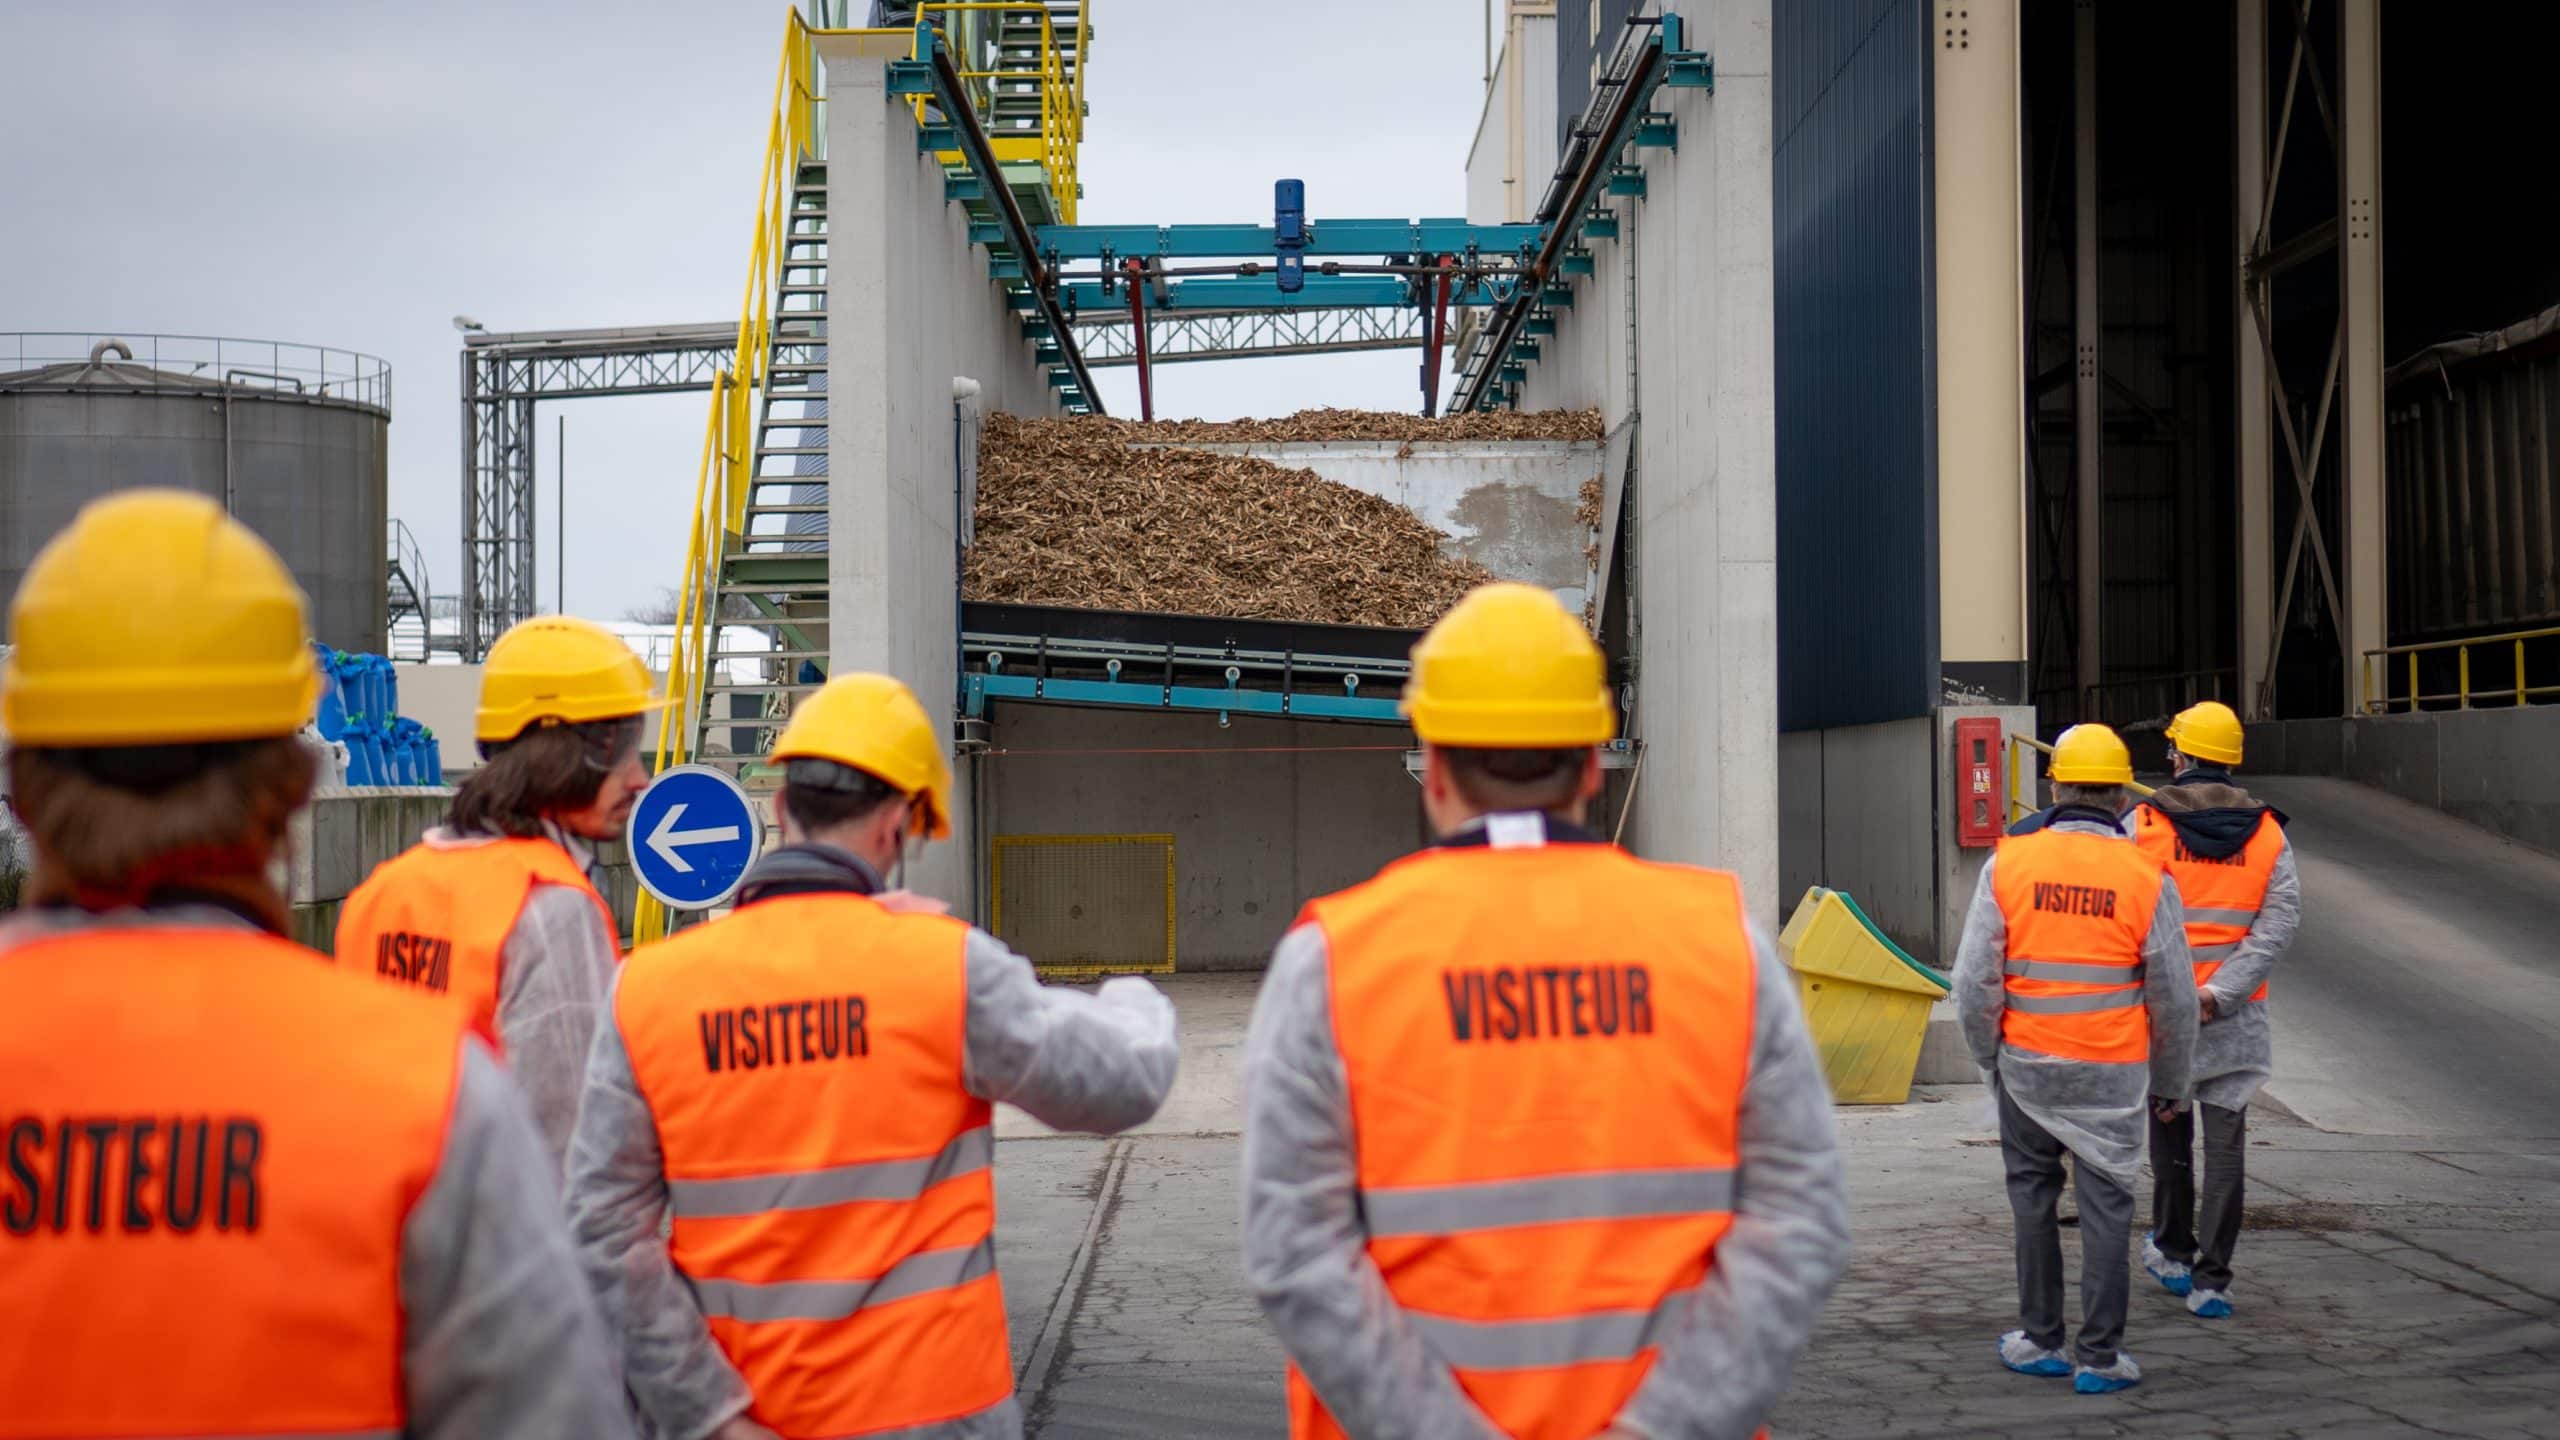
{"type": "Point", "coordinates": [1069, 514]}
{"type": "Point", "coordinates": [1312, 425]}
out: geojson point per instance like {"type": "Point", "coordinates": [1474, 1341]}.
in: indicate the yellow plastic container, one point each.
{"type": "Point", "coordinates": [1866, 1001]}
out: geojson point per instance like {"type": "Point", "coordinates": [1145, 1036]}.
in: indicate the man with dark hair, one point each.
{"type": "Point", "coordinates": [783, 1183]}
{"type": "Point", "coordinates": [248, 1193]}
{"type": "Point", "coordinates": [1534, 1140]}
{"type": "Point", "coordinates": [2243, 901]}
{"type": "Point", "coordinates": [499, 907]}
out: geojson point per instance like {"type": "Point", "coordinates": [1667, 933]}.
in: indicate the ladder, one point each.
{"type": "Point", "coordinates": [768, 629]}
{"type": "Point", "coordinates": [1014, 107]}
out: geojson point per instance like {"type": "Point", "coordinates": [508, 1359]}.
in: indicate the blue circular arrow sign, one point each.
{"type": "Point", "coordinates": [692, 836]}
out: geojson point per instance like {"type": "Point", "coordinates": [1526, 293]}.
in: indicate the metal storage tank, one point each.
{"type": "Point", "coordinates": [294, 439]}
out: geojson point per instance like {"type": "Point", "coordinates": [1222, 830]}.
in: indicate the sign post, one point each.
{"type": "Point", "coordinates": [692, 835]}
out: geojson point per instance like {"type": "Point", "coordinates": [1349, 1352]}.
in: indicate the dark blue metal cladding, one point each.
{"type": "Point", "coordinates": [1857, 437]}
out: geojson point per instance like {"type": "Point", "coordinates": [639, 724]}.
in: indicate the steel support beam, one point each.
{"type": "Point", "coordinates": [2256, 458]}
{"type": "Point", "coordinates": [2360, 306]}
{"type": "Point", "coordinates": [1249, 334]}
{"type": "Point", "coordinates": [1326, 237]}
{"type": "Point", "coordinates": [1263, 292]}
{"type": "Point", "coordinates": [503, 375]}
{"type": "Point", "coordinates": [2088, 389]}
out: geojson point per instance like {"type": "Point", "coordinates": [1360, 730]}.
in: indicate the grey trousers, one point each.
{"type": "Point", "coordinates": [2034, 1160]}
{"type": "Point", "coordinates": [2175, 1213]}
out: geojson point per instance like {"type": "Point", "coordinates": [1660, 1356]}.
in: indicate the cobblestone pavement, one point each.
{"type": "Point", "coordinates": [2387, 1285]}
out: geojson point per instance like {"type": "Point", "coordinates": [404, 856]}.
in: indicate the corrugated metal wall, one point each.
{"type": "Point", "coordinates": [1857, 441]}
{"type": "Point", "coordinates": [2471, 489]}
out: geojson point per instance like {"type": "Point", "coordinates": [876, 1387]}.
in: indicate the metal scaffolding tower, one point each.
{"type": "Point", "coordinates": [503, 376]}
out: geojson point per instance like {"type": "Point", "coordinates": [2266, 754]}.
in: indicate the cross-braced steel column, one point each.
{"type": "Point", "coordinates": [498, 511]}
{"type": "Point", "coordinates": [2255, 465]}
{"type": "Point", "coordinates": [2350, 117]}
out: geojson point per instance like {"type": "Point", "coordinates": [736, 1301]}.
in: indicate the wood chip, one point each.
{"type": "Point", "coordinates": [1068, 514]}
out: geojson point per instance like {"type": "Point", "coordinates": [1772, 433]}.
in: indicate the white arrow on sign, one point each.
{"type": "Point", "coordinates": [667, 837]}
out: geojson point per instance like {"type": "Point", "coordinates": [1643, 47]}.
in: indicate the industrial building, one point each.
{"type": "Point", "coordinates": [1943, 374]}
{"type": "Point", "coordinates": [1946, 377]}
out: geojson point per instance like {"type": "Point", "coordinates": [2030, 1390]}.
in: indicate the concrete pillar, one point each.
{"type": "Point", "coordinates": [867, 185]}
{"type": "Point", "coordinates": [910, 307]}
{"type": "Point", "coordinates": [2360, 300]}
{"type": "Point", "coordinates": [2089, 399]}
{"type": "Point", "coordinates": [2255, 462]}
{"type": "Point", "coordinates": [1982, 478]}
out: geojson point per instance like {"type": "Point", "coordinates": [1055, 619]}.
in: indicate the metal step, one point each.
{"type": "Point", "coordinates": [764, 450]}
{"type": "Point", "coordinates": [755, 510]}
{"type": "Point", "coordinates": [723, 687]}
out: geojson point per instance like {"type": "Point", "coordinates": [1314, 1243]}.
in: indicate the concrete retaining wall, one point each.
{"type": "Point", "coordinates": [1508, 505]}
{"type": "Point", "coordinates": [2497, 769]}
{"type": "Point", "coordinates": [1263, 819]}
{"type": "Point", "coordinates": [1690, 274]}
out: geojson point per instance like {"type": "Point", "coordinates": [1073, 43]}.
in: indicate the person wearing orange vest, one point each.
{"type": "Point", "coordinates": [2076, 997]}
{"type": "Point", "coordinates": [783, 1185]}
{"type": "Point", "coordinates": [499, 907]}
{"type": "Point", "coordinates": [241, 1192]}
{"type": "Point", "coordinates": [2243, 902]}
{"type": "Point", "coordinates": [1535, 1142]}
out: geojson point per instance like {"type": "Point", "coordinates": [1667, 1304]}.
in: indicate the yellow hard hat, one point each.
{"type": "Point", "coordinates": [2208, 732]}
{"type": "Point", "coordinates": [874, 724]}
{"type": "Point", "coordinates": [2090, 755]}
{"type": "Point", "coordinates": [561, 669]}
{"type": "Point", "coordinates": [1509, 668]}
{"type": "Point", "coordinates": [156, 619]}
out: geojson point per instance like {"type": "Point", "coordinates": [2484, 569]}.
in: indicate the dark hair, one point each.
{"type": "Point", "coordinates": [821, 794]}
{"type": "Point", "coordinates": [1517, 779]}
{"type": "Point", "coordinates": [117, 825]}
{"type": "Point", "coordinates": [545, 770]}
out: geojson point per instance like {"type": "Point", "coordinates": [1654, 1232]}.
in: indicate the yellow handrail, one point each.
{"type": "Point", "coordinates": [721, 485]}
{"type": "Point", "coordinates": [2376, 665]}
{"type": "Point", "coordinates": [2018, 745]}
{"type": "Point", "coordinates": [725, 479]}
{"type": "Point", "coordinates": [1061, 105]}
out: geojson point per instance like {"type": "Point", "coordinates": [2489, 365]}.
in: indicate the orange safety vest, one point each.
{"type": "Point", "coordinates": [830, 1178]}
{"type": "Point", "coordinates": [2221, 897]}
{"type": "Point", "coordinates": [2078, 909]}
{"type": "Point", "coordinates": [437, 916]}
{"type": "Point", "coordinates": [209, 1147]}
{"type": "Point", "coordinates": [1546, 1048]}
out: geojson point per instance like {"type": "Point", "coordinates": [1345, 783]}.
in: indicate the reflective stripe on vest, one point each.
{"type": "Point", "coordinates": [829, 1175]}
{"type": "Point", "coordinates": [1497, 1204]}
{"type": "Point", "coordinates": [2221, 898]}
{"type": "Point", "coordinates": [2077, 909]}
{"type": "Point", "coordinates": [918, 1274]}
{"type": "Point", "coordinates": [811, 1189]}
{"type": "Point", "coordinates": [1499, 1011]}
{"type": "Point", "coordinates": [437, 916]}
{"type": "Point", "coordinates": [194, 1139]}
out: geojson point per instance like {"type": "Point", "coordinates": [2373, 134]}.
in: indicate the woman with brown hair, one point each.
{"type": "Point", "coordinates": [285, 1200]}
{"type": "Point", "coordinates": [499, 907]}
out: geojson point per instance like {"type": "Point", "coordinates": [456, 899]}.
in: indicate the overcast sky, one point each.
{"type": "Point", "coordinates": [355, 174]}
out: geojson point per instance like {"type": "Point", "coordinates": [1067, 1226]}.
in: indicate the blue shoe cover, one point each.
{"type": "Point", "coordinates": [2175, 1278]}
{"type": "Point", "coordinates": [2122, 1375]}
{"type": "Point", "coordinates": [2028, 1358]}
{"type": "Point", "coordinates": [2209, 1305]}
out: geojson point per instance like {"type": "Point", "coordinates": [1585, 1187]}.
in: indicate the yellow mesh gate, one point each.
{"type": "Point", "coordinates": [1082, 905]}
